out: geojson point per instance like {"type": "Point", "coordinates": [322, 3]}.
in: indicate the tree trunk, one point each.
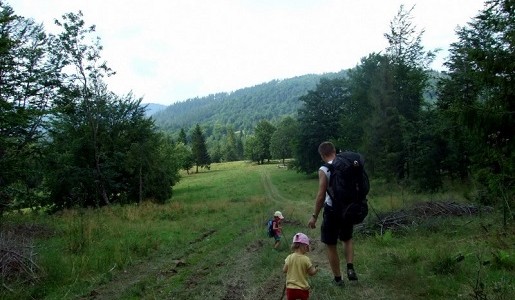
{"type": "Point", "coordinates": [140, 185]}
{"type": "Point", "coordinates": [100, 184]}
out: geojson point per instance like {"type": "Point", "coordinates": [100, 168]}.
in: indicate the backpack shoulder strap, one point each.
{"type": "Point", "coordinates": [328, 166]}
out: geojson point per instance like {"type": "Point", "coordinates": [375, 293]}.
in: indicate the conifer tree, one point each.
{"type": "Point", "coordinates": [199, 149]}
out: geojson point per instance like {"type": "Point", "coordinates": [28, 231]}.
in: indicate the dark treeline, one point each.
{"type": "Point", "coordinates": [66, 140]}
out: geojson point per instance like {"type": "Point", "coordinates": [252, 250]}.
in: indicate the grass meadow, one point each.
{"type": "Point", "coordinates": [209, 242]}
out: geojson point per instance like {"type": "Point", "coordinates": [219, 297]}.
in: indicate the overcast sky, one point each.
{"type": "Point", "coordinates": [168, 51]}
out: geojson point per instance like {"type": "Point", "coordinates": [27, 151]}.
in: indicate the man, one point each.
{"type": "Point", "coordinates": [333, 227]}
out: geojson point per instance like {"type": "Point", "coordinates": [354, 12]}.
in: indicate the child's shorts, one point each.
{"type": "Point", "coordinates": [297, 294]}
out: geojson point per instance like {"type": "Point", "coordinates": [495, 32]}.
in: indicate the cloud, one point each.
{"type": "Point", "coordinates": [169, 51]}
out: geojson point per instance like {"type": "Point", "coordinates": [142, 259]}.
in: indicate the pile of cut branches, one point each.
{"type": "Point", "coordinates": [421, 211]}
{"type": "Point", "coordinates": [17, 258]}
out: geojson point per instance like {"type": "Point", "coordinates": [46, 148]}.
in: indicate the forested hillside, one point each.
{"type": "Point", "coordinates": [243, 108]}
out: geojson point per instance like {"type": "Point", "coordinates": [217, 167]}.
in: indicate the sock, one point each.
{"type": "Point", "coordinates": [337, 278]}
{"type": "Point", "coordinates": [350, 266]}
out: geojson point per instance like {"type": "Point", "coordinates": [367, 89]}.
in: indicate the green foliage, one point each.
{"type": "Point", "coordinates": [29, 82]}
{"type": "Point", "coordinates": [232, 146]}
{"type": "Point", "coordinates": [405, 42]}
{"type": "Point", "coordinates": [115, 149]}
{"type": "Point", "coordinates": [250, 150]}
{"type": "Point", "coordinates": [198, 147]}
{"type": "Point", "coordinates": [182, 137]}
{"type": "Point", "coordinates": [385, 238]}
{"type": "Point", "coordinates": [396, 98]}
{"type": "Point", "coordinates": [502, 259]}
{"type": "Point", "coordinates": [134, 162]}
{"type": "Point", "coordinates": [444, 264]}
{"type": "Point", "coordinates": [65, 139]}
{"type": "Point", "coordinates": [157, 171]}
{"type": "Point", "coordinates": [368, 130]}
{"type": "Point", "coordinates": [263, 134]}
{"type": "Point", "coordinates": [284, 138]}
{"type": "Point", "coordinates": [429, 147]}
{"type": "Point", "coordinates": [479, 96]}
{"type": "Point", "coordinates": [319, 121]}
{"type": "Point", "coordinates": [184, 155]}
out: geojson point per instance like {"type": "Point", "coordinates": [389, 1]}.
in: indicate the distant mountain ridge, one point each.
{"type": "Point", "coordinates": [243, 108]}
{"type": "Point", "coordinates": [152, 108]}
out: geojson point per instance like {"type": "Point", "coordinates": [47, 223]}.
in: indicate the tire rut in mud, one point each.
{"type": "Point", "coordinates": [239, 287]}
{"type": "Point", "coordinates": [162, 267]}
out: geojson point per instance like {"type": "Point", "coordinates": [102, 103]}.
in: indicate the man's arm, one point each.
{"type": "Point", "coordinates": [319, 201]}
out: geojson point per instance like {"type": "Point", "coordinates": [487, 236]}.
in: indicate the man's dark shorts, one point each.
{"type": "Point", "coordinates": [334, 228]}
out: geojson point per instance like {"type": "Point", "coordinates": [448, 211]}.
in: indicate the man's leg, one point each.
{"type": "Point", "coordinates": [349, 257]}
{"type": "Point", "coordinates": [334, 260]}
{"type": "Point", "coordinates": [349, 251]}
{"type": "Point", "coordinates": [329, 236]}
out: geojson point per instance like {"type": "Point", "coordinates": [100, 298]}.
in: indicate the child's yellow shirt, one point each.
{"type": "Point", "coordinates": [297, 275]}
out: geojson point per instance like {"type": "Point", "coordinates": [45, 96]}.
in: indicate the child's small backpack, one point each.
{"type": "Point", "coordinates": [270, 228]}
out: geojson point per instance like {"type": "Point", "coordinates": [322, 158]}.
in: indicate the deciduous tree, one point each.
{"type": "Point", "coordinates": [282, 143]}
{"type": "Point", "coordinates": [102, 148]}
{"type": "Point", "coordinates": [28, 83]}
{"type": "Point", "coordinates": [319, 121]}
{"type": "Point", "coordinates": [263, 133]}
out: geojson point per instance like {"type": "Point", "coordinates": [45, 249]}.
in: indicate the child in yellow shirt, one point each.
{"type": "Point", "coordinates": [297, 267]}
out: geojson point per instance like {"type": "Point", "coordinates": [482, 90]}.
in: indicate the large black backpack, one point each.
{"type": "Point", "coordinates": [349, 186]}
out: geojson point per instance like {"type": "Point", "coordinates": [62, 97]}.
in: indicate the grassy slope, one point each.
{"type": "Point", "coordinates": [209, 243]}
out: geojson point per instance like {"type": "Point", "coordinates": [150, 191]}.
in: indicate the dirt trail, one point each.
{"type": "Point", "coordinates": [273, 194]}
{"type": "Point", "coordinates": [237, 286]}
{"type": "Point", "coordinates": [271, 191]}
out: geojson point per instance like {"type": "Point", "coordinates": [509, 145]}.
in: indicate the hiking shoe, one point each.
{"type": "Point", "coordinates": [338, 283]}
{"type": "Point", "coordinates": [351, 274]}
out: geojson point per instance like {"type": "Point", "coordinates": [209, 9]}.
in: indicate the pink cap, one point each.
{"type": "Point", "coordinates": [301, 238]}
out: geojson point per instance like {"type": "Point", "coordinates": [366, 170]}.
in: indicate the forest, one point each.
{"type": "Point", "coordinates": [67, 141]}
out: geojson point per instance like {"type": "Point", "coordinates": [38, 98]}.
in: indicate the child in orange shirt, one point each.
{"type": "Point", "coordinates": [297, 267]}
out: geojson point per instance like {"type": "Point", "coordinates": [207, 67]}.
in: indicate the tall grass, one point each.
{"type": "Point", "coordinates": [209, 242]}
